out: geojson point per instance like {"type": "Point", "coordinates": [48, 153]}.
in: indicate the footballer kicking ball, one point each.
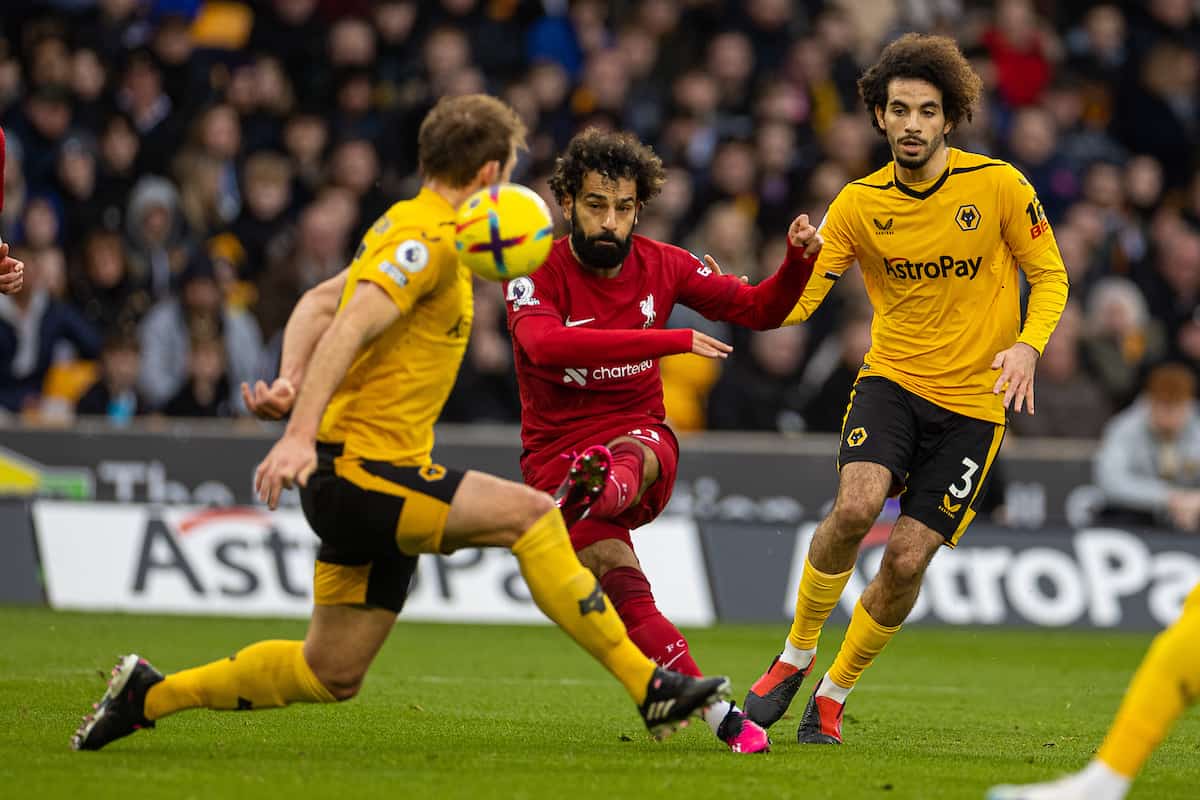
{"type": "Point", "coordinates": [503, 232]}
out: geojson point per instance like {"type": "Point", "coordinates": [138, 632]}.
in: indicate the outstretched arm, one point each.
{"type": "Point", "coordinates": [308, 322]}
{"type": "Point", "coordinates": [548, 343]}
{"type": "Point", "coordinates": [766, 305]}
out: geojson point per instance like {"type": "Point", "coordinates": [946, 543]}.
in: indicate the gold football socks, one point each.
{"type": "Point", "coordinates": [264, 675]}
{"type": "Point", "coordinates": [816, 597]}
{"type": "Point", "coordinates": [569, 594]}
{"type": "Point", "coordinates": [865, 639]}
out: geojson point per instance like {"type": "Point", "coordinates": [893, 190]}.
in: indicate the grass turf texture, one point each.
{"type": "Point", "coordinates": [457, 711]}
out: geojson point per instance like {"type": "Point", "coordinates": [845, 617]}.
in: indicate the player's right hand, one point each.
{"type": "Point", "coordinates": [290, 462]}
{"type": "Point", "coordinates": [269, 402]}
{"type": "Point", "coordinates": [12, 272]}
{"type": "Point", "coordinates": [707, 346]}
{"type": "Point", "coordinates": [1183, 508]}
{"type": "Point", "coordinates": [802, 233]}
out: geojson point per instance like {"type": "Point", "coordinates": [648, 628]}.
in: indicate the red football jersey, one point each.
{"type": "Point", "coordinates": [563, 404]}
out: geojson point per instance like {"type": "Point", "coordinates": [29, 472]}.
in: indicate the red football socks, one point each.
{"type": "Point", "coordinates": [653, 633]}
{"type": "Point", "coordinates": [624, 481]}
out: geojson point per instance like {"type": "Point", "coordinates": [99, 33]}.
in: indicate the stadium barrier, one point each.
{"type": "Point", "coordinates": [245, 561]}
{"type": "Point", "coordinates": [165, 521]}
{"type": "Point", "coordinates": [729, 477]}
{"type": "Point", "coordinates": [19, 578]}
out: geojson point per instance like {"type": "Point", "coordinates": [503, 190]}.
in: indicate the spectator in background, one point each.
{"type": "Point", "coordinates": [114, 395]}
{"type": "Point", "coordinates": [1120, 338]}
{"type": "Point", "coordinates": [76, 184]}
{"type": "Point", "coordinates": [265, 212]}
{"type": "Point", "coordinates": [1070, 403]}
{"type": "Point", "coordinates": [354, 165]}
{"type": "Point", "coordinates": [306, 138]}
{"type": "Point", "coordinates": [217, 134]}
{"type": "Point", "coordinates": [89, 82]}
{"type": "Point", "coordinates": [395, 22]}
{"type": "Point", "coordinates": [1173, 289]}
{"type": "Point", "coordinates": [1024, 51]}
{"type": "Point", "coordinates": [206, 392]}
{"type": "Point", "coordinates": [183, 77]}
{"type": "Point", "coordinates": [41, 130]}
{"type": "Point", "coordinates": [159, 248]}
{"type": "Point", "coordinates": [37, 329]}
{"type": "Point", "coordinates": [1159, 113]}
{"type": "Point", "coordinates": [168, 328]}
{"type": "Point", "coordinates": [1032, 147]}
{"type": "Point", "coordinates": [155, 119]}
{"type": "Point", "coordinates": [41, 225]}
{"type": "Point", "coordinates": [299, 260]}
{"type": "Point", "coordinates": [1148, 465]}
{"type": "Point", "coordinates": [201, 199]}
{"type": "Point", "coordinates": [762, 393]}
{"type": "Point", "coordinates": [291, 31]}
{"type": "Point", "coordinates": [117, 169]}
{"type": "Point", "coordinates": [101, 286]}
{"type": "Point", "coordinates": [1098, 47]}
{"type": "Point", "coordinates": [727, 234]}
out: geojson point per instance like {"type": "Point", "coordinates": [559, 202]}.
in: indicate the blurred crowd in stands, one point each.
{"type": "Point", "coordinates": [181, 171]}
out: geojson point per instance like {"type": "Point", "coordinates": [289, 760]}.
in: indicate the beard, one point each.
{"type": "Point", "coordinates": [922, 158]}
{"type": "Point", "coordinates": [602, 251]}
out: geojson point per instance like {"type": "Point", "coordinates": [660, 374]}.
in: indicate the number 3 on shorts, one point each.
{"type": "Point", "coordinates": [967, 480]}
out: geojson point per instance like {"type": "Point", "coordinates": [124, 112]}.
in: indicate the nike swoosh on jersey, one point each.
{"type": "Point", "coordinates": [571, 323]}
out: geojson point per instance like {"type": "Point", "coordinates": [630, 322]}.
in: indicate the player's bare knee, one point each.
{"type": "Point", "coordinates": [533, 506]}
{"type": "Point", "coordinates": [341, 682]}
{"type": "Point", "coordinates": [344, 691]}
{"type": "Point", "coordinates": [342, 679]}
{"type": "Point", "coordinates": [606, 555]}
{"type": "Point", "coordinates": [902, 568]}
{"type": "Point", "coordinates": [853, 517]}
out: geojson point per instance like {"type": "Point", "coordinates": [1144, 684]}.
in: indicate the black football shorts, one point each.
{"type": "Point", "coordinates": [373, 518]}
{"type": "Point", "coordinates": [940, 460]}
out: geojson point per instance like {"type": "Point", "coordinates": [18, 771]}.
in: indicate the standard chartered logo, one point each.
{"type": "Point", "coordinates": [580, 375]}
{"type": "Point", "coordinates": [904, 269]}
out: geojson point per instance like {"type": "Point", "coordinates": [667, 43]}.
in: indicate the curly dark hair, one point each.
{"type": "Point", "coordinates": [935, 59]}
{"type": "Point", "coordinates": [614, 155]}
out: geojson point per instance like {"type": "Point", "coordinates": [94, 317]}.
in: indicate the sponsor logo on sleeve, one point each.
{"type": "Point", "coordinates": [520, 293]}
{"type": "Point", "coordinates": [412, 256]}
{"type": "Point", "coordinates": [394, 272]}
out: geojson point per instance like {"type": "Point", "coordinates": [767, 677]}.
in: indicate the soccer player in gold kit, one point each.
{"type": "Point", "coordinates": [939, 234]}
{"type": "Point", "coordinates": [375, 352]}
{"type": "Point", "coordinates": [1166, 683]}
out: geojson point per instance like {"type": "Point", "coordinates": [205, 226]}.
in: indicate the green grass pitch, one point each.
{"type": "Point", "coordinates": [520, 712]}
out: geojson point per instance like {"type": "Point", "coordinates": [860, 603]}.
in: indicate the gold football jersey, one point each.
{"type": "Point", "coordinates": [939, 260]}
{"type": "Point", "coordinates": [394, 391]}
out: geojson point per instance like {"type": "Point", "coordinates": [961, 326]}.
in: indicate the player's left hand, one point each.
{"type": "Point", "coordinates": [290, 462]}
{"type": "Point", "coordinates": [269, 402]}
{"type": "Point", "coordinates": [12, 272]}
{"type": "Point", "coordinates": [712, 264]}
{"type": "Point", "coordinates": [1016, 365]}
{"type": "Point", "coordinates": [802, 233]}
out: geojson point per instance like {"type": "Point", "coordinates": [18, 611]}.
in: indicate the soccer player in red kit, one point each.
{"type": "Point", "coordinates": [588, 329]}
{"type": "Point", "coordinates": [12, 271]}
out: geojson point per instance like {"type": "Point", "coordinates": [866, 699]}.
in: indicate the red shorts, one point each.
{"type": "Point", "coordinates": [661, 440]}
